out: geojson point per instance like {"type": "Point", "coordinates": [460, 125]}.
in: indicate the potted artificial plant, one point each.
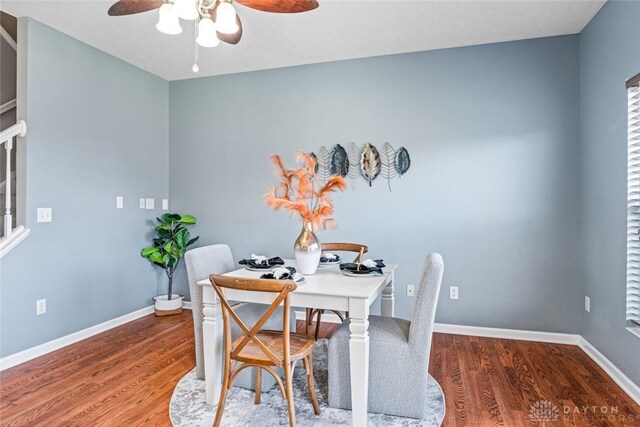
{"type": "Point", "coordinates": [167, 250]}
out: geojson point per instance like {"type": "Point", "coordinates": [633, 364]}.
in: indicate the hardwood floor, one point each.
{"type": "Point", "coordinates": [489, 382]}
{"type": "Point", "coordinates": [125, 377]}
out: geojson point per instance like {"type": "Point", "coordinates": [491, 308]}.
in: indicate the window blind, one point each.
{"type": "Point", "coordinates": [633, 207]}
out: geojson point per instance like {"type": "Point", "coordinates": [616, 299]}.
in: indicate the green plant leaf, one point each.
{"type": "Point", "coordinates": [192, 241]}
{"type": "Point", "coordinates": [156, 257]}
{"type": "Point", "coordinates": [169, 217]}
{"type": "Point", "coordinates": [188, 219]}
{"type": "Point", "coordinates": [146, 252]}
{"type": "Point", "coordinates": [182, 237]}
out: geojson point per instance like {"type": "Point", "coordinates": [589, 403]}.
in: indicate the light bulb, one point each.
{"type": "Point", "coordinates": [226, 18]}
{"type": "Point", "coordinates": [187, 9]}
{"type": "Point", "coordinates": [168, 22]}
{"type": "Point", "coordinates": [207, 36]}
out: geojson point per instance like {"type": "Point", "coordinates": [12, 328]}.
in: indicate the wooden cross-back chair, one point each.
{"type": "Point", "coordinates": [336, 247]}
{"type": "Point", "coordinates": [263, 349]}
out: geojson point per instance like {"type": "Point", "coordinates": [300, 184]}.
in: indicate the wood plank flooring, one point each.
{"type": "Point", "coordinates": [125, 377]}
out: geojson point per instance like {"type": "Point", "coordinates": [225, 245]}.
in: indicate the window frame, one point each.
{"type": "Point", "coordinates": [632, 313]}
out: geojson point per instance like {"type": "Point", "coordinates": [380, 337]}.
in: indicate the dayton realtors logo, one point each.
{"type": "Point", "coordinates": [544, 412]}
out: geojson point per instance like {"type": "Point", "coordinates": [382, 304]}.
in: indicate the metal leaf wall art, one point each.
{"type": "Point", "coordinates": [365, 161]}
{"type": "Point", "coordinates": [354, 160]}
{"type": "Point", "coordinates": [339, 161]}
{"type": "Point", "coordinates": [324, 166]}
{"type": "Point", "coordinates": [370, 163]}
{"type": "Point", "coordinates": [388, 163]}
{"type": "Point", "coordinates": [402, 161]}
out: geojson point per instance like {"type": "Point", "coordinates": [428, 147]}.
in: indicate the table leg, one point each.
{"type": "Point", "coordinates": [387, 301]}
{"type": "Point", "coordinates": [212, 339]}
{"type": "Point", "coordinates": [359, 360]}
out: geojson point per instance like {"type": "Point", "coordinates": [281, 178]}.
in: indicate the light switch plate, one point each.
{"type": "Point", "coordinates": [453, 292]}
{"type": "Point", "coordinates": [165, 204]}
{"type": "Point", "coordinates": [44, 215]}
{"type": "Point", "coordinates": [142, 203]}
{"type": "Point", "coordinates": [587, 304]}
{"type": "Point", "coordinates": [150, 204]}
{"type": "Point", "coordinates": [119, 202]}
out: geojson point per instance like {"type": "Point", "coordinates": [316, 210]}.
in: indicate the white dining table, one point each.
{"type": "Point", "coordinates": [327, 289]}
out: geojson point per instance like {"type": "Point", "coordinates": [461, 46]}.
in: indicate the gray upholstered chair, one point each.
{"type": "Point", "coordinates": [217, 259]}
{"type": "Point", "coordinates": [398, 354]}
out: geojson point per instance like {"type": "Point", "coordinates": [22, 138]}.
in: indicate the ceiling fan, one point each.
{"type": "Point", "coordinates": [216, 19]}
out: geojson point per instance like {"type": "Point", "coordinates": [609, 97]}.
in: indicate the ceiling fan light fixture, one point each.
{"type": "Point", "coordinates": [168, 22]}
{"type": "Point", "coordinates": [187, 9]}
{"type": "Point", "coordinates": [207, 36]}
{"type": "Point", "coordinates": [226, 18]}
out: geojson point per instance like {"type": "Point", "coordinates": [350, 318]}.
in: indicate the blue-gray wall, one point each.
{"type": "Point", "coordinates": [493, 135]}
{"type": "Point", "coordinates": [97, 128]}
{"type": "Point", "coordinates": [609, 55]}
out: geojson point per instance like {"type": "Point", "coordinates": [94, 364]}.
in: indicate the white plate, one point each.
{"type": "Point", "coordinates": [330, 263]}
{"type": "Point", "coordinates": [266, 270]}
{"type": "Point", "coordinates": [350, 274]}
{"type": "Point", "coordinates": [297, 277]}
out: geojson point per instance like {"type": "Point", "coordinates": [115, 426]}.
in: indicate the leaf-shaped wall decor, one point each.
{"type": "Point", "coordinates": [314, 157]}
{"type": "Point", "coordinates": [324, 160]}
{"type": "Point", "coordinates": [339, 161]}
{"type": "Point", "coordinates": [354, 160]}
{"type": "Point", "coordinates": [402, 161]}
{"type": "Point", "coordinates": [388, 163]}
{"type": "Point", "coordinates": [370, 164]}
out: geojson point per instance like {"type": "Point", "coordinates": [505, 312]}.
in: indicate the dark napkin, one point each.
{"type": "Point", "coordinates": [323, 258]}
{"type": "Point", "coordinates": [353, 267]}
{"type": "Point", "coordinates": [269, 263]}
{"type": "Point", "coordinates": [285, 276]}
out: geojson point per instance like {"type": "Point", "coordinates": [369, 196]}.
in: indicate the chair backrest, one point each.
{"type": "Point", "coordinates": [424, 313]}
{"type": "Point", "coordinates": [281, 289]}
{"type": "Point", "coordinates": [346, 247]}
{"type": "Point", "coordinates": [203, 261]}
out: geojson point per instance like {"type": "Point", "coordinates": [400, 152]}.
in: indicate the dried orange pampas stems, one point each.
{"type": "Point", "coordinates": [297, 191]}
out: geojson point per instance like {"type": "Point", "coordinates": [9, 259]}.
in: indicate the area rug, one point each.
{"type": "Point", "coordinates": [188, 409]}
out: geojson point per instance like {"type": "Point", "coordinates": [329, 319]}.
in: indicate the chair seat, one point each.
{"type": "Point", "coordinates": [301, 346]}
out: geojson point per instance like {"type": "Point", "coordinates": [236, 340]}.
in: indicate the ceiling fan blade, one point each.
{"type": "Point", "coordinates": [280, 6]}
{"type": "Point", "coordinates": [129, 7]}
{"type": "Point", "coordinates": [228, 38]}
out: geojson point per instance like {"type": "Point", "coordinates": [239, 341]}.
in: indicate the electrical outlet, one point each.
{"type": "Point", "coordinates": [41, 306]}
{"type": "Point", "coordinates": [150, 204]}
{"type": "Point", "coordinates": [410, 290]}
{"type": "Point", "coordinates": [119, 202]}
{"type": "Point", "coordinates": [142, 203]}
{"type": "Point", "coordinates": [453, 292]}
{"type": "Point", "coordinates": [587, 304]}
{"type": "Point", "coordinates": [44, 215]}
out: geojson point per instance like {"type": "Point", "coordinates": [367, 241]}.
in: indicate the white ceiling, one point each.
{"type": "Point", "coordinates": [337, 30]}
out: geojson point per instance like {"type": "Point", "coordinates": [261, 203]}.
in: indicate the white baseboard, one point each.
{"type": "Point", "coordinates": [631, 388]}
{"type": "Point", "coordinates": [42, 349]}
{"type": "Point", "coordinates": [512, 334]}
